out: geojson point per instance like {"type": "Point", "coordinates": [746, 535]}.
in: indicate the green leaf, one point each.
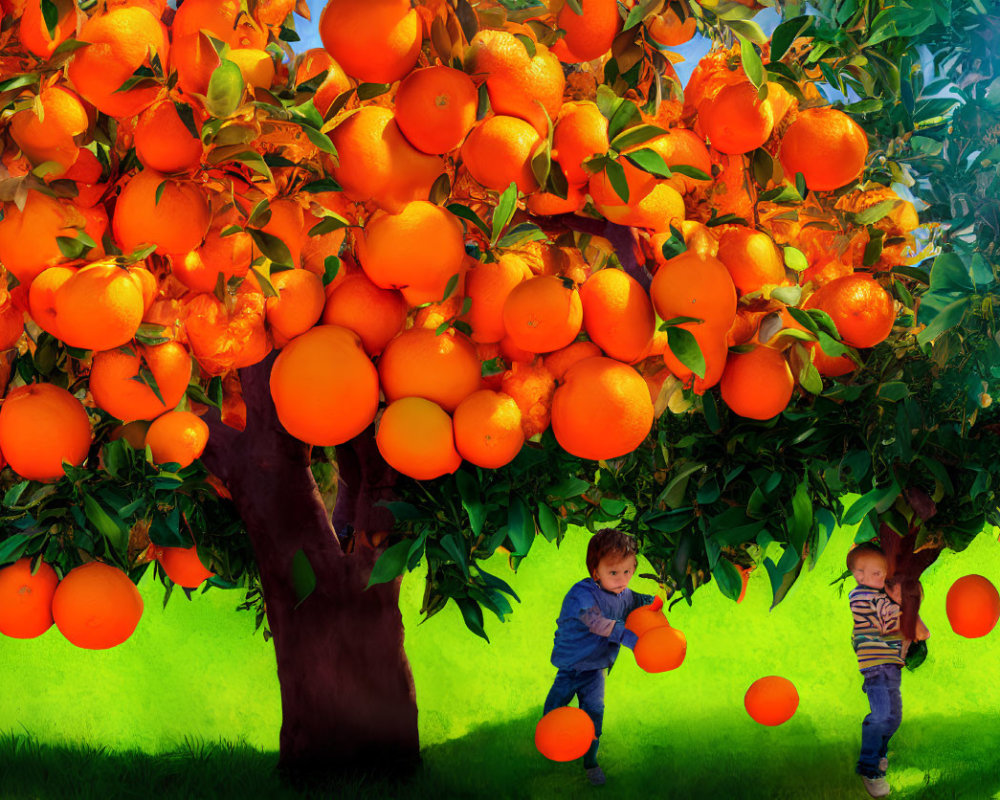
{"type": "Point", "coordinates": [112, 530]}
{"type": "Point", "coordinates": [457, 552]}
{"type": "Point", "coordinates": [728, 578]}
{"type": "Point", "coordinates": [303, 576]}
{"type": "Point", "coordinates": [469, 491]}
{"type": "Point", "coordinates": [801, 522]}
{"type": "Point", "coordinates": [893, 391]}
{"type": "Point", "coordinates": [752, 64]}
{"type": "Point", "coordinates": [466, 213]}
{"type": "Point", "coordinates": [13, 547]}
{"type": "Point", "coordinates": [878, 499]}
{"type": "Point", "coordinates": [331, 266]}
{"type": "Point", "coordinates": [637, 135]}
{"type": "Point", "coordinates": [504, 212]}
{"type": "Point", "coordinates": [950, 316]}
{"type": "Point", "coordinates": [13, 494]}
{"type": "Point", "coordinates": [50, 14]}
{"type": "Point", "coordinates": [548, 522]}
{"type": "Point", "coordinates": [810, 379]}
{"type": "Point", "coordinates": [696, 174]}
{"type": "Point", "coordinates": [683, 345]}
{"type": "Point", "coordinates": [331, 222]}
{"type": "Point", "coordinates": [272, 247]}
{"type": "Point", "coordinates": [520, 525]}
{"type": "Point", "coordinates": [319, 139]}
{"type": "Point", "coordinates": [391, 563]}
{"type": "Point", "coordinates": [795, 259]}
{"type": "Point", "coordinates": [520, 234]}
{"type": "Point", "coordinates": [255, 161]}
{"type": "Point", "coordinates": [675, 245]}
{"type": "Point", "coordinates": [625, 115]}
{"type": "Point", "coordinates": [831, 346]}
{"type": "Point", "coordinates": [616, 176]}
{"type": "Point", "coordinates": [786, 33]}
{"type": "Point", "coordinates": [650, 161]}
{"type": "Point", "coordinates": [782, 580]}
{"type": "Point", "coordinates": [472, 614]}
{"type": "Point", "coordinates": [368, 91]}
{"type": "Point", "coordinates": [748, 29]}
{"type": "Point", "coordinates": [225, 89]}
{"type": "Point", "coordinates": [186, 114]}
{"type": "Point", "coordinates": [875, 213]}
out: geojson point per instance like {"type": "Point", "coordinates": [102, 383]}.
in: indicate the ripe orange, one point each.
{"type": "Point", "coordinates": [752, 259]}
{"type": "Point", "coordinates": [374, 314]}
{"type": "Point", "coordinates": [99, 307]}
{"type": "Point", "coordinates": [314, 62]}
{"type": "Point", "coordinates": [376, 41]}
{"type": "Point", "coordinates": [221, 18]}
{"type": "Point", "coordinates": [564, 734]}
{"type": "Point", "coordinates": [558, 361]}
{"type": "Point", "coordinates": [972, 606]}
{"type": "Point", "coordinates": [830, 366]}
{"type": "Point", "coordinates": [86, 172]}
{"type": "Point", "coordinates": [757, 384]}
{"type": "Point", "coordinates": [436, 108]}
{"type": "Point", "coordinates": [34, 33]}
{"type": "Point", "coordinates": [256, 66]}
{"type": "Point", "coordinates": [589, 35]}
{"type": "Point", "coordinates": [96, 606]}
{"type": "Point", "coordinates": [223, 338]}
{"type": "Point", "coordinates": [183, 566]}
{"type": "Point", "coordinates": [661, 649]}
{"type": "Point", "coordinates": [617, 314]}
{"type": "Point", "coordinates": [11, 321]}
{"type": "Point", "coordinates": [26, 599]}
{"type": "Point", "coordinates": [53, 135]}
{"type": "Point", "coordinates": [419, 363]}
{"type": "Point", "coordinates": [488, 429]}
{"type": "Point", "coordinates": [690, 285]}
{"type": "Point", "coordinates": [656, 210]}
{"type": "Point", "coordinates": [231, 255]}
{"type": "Point", "coordinates": [42, 297]}
{"type": "Point", "coordinates": [680, 146]}
{"type": "Point", "coordinates": [581, 131]}
{"type": "Point", "coordinates": [324, 386]}
{"type": "Point", "coordinates": [299, 303]}
{"type": "Point", "coordinates": [115, 388]}
{"type": "Point", "coordinates": [487, 285]}
{"type": "Point", "coordinates": [532, 387]}
{"type": "Point", "coordinates": [177, 437]}
{"type": "Point", "coordinates": [415, 437]}
{"type": "Point", "coordinates": [543, 313]}
{"type": "Point", "coordinates": [668, 29]}
{"type": "Point", "coordinates": [645, 618]}
{"type": "Point", "coordinates": [547, 204]}
{"type": "Point", "coordinates": [162, 141]}
{"type": "Point", "coordinates": [601, 410]}
{"type": "Point", "coordinates": [176, 225]}
{"type": "Point", "coordinates": [497, 152]}
{"type": "Point", "coordinates": [42, 425]}
{"type": "Point", "coordinates": [609, 202]}
{"type": "Point", "coordinates": [736, 120]}
{"type": "Point", "coordinates": [826, 146]}
{"type": "Point", "coordinates": [771, 700]}
{"type": "Point", "coordinates": [28, 238]}
{"type": "Point", "coordinates": [861, 309]}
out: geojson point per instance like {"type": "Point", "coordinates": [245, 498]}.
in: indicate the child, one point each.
{"type": "Point", "coordinates": [894, 588]}
{"type": "Point", "coordinates": [590, 629]}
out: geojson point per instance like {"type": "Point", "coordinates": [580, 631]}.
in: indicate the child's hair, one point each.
{"type": "Point", "coordinates": [865, 548]}
{"type": "Point", "coordinates": [609, 542]}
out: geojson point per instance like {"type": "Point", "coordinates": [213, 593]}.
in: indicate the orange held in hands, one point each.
{"type": "Point", "coordinates": [771, 700]}
{"type": "Point", "coordinates": [564, 734]}
{"type": "Point", "coordinates": [26, 599]}
{"type": "Point", "coordinates": [96, 606]}
{"type": "Point", "coordinates": [973, 606]}
{"type": "Point", "coordinates": [660, 649]}
{"type": "Point", "coordinates": [645, 618]}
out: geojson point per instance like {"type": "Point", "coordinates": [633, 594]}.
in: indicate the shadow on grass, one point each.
{"type": "Point", "coordinates": [937, 758]}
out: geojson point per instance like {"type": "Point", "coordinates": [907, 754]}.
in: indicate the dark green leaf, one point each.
{"type": "Point", "coordinates": [469, 491]}
{"type": "Point", "coordinates": [634, 136]}
{"type": "Point", "coordinates": [504, 211]}
{"type": "Point", "coordinates": [878, 499]}
{"type": "Point", "coordinates": [616, 176]}
{"type": "Point", "coordinates": [303, 577]}
{"type": "Point", "coordinates": [752, 64]}
{"type": "Point", "coordinates": [650, 161]}
{"type": "Point", "coordinates": [728, 578]}
{"type": "Point", "coordinates": [687, 350]}
{"type": "Point", "coordinates": [786, 33]}
{"type": "Point", "coordinates": [111, 529]}
{"type": "Point", "coordinates": [272, 247]}
{"type": "Point", "coordinates": [520, 234]}
{"type": "Point", "coordinates": [391, 563]}
{"type": "Point", "coordinates": [368, 91]}
{"type": "Point", "coordinates": [471, 611]}
{"type": "Point", "coordinates": [457, 552]}
{"type": "Point", "coordinates": [466, 213]}
{"type": "Point", "coordinates": [520, 525]}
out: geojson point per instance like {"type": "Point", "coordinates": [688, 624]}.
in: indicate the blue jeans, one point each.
{"type": "Point", "coordinates": [882, 687]}
{"type": "Point", "coordinates": [588, 687]}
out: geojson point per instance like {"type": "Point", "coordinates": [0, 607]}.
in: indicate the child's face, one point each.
{"type": "Point", "coordinates": [614, 572]}
{"type": "Point", "coordinates": [870, 570]}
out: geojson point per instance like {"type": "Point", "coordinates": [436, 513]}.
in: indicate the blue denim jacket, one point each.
{"type": "Point", "coordinates": [588, 608]}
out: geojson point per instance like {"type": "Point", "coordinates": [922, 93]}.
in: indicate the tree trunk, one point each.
{"type": "Point", "coordinates": [907, 566]}
{"type": "Point", "coordinates": [347, 693]}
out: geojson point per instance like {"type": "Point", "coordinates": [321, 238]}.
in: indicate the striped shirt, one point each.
{"type": "Point", "coordinates": [876, 637]}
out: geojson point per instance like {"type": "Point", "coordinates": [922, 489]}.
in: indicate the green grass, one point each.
{"type": "Point", "coordinates": [134, 721]}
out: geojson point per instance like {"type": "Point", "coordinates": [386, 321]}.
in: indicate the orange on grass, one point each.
{"type": "Point", "coordinates": [645, 618]}
{"type": "Point", "coordinates": [488, 429]}
{"type": "Point", "coordinates": [581, 131]}
{"type": "Point", "coordinates": [374, 314]}
{"type": "Point", "coordinates": [487, 285]}
{"type": "Point", "coordinates": [99, 307]}
{"type": "Point", "coordinates": [299, 303]}
{"type": "Point", "coordinates": [668, 29]}
{"type": "Point", "coordinates": [444, 369]}
{"type": "Point", "coordinates": [861, 309]}
{"type": "Point", "coordinates": [543, 313]}
{"type": "Point", "coordinates": [96, 606]}
{"type": "Point", "coordinates": [436, 108]}
{"type": "Point", "coordinates": [972, 606]}
{"type": "Point", "coordinates": [324, 386]}
{"type": "Point", "coordinates": [376, 41]}
{"type": "Point", "coordinates": [517, 85]}
{"type": "Point", "coordinates": [28, 237]}
{"type": "Point", "coordinates": [771, 700]}
{"type": "Point", "coordinates": [757, 384]}
{"type": "Point", "coordinates": [589, 34]}
{"type": "Point", "coordinates": [121, 40]}
{"type": "Point", "coordinates": [115, 386]}
{"type": "Point", "coordinates": [419, 249]}
{"type": "Point", "coordinates": [42, 425]}
{"type": "Point", "coordinates": [752, 259]}
{"type": "Point", "coordinates": [177, 437]}
{"type": "Point", "coordinates": [415, 437]}
{"type": "Point", "coordinates": [564, 734]}
{"type": "Point", "coordinates": [660, 649]}
{"type": "Point", "coordinates": [222, 337]}
{"type": "Point", "coordinates": [42, 297]}
{"type": "Point", "coordinates": [558, 361]}
{"type": "Point", "coordinates": [497, 152]}
{"type": "Point", "coordinates": [34, 33]}
{"type": "Point", "coordinates": [183, 566]}
{"type": "Point", "coordinates": [52, 134]}
{"type": "Point", "coordinates": [690, 285]}
{"type": "Point", "coordinates": [177, 224]}
{"type": "Point", "coordinates": [377, 163]}
{"type": "Point", "coordinates": [617, 314]}
{"type": "Point", "coordinates": [26, 599]}
{"type": "Point", "coordinates": [826, 146]}
{"type": "Point", "coordinates": [736, 120]}
{"type": "Point", "coordinates": [601, 410]}
{"type": "Point", "coordinates": [163, 142]}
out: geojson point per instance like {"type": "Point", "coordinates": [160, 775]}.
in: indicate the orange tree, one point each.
{"type": "Point", "coordinates": [296, 323]}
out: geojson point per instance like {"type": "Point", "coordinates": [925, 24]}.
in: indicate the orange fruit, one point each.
{"type": "Point", "coordinates": [419, 363]}
{"type": "Point", "coordinates": [177, 437]}
{"type": "Point", "coordinates": [26, 599]}
{"type": "Point", "coordinates": [34, 33]}
{"type": "Point", "coordinates": [581, 131]}
{"type": "Point", "coordinates": [415, 437]}
{"type": "Point", "coordinates": [517, 85]}
{"type": "Point", "coordinates": [53, 135]}
{"type": "Point", "coordinates": [660, 649]}
{"type": "Point", "coordinates": [757, 384]}
{"type": "Point", "coordinates": [377, 163]}
{"type": "Point", "coordinates": [223, 338]}
{"type": "Point", "coordinates": [42, 297]}
{"type": "Point", "coordinates": [690, 285]}
{"type": "Point", "coordinates": [256, 66]}
{"type": "Point", "coordinates": [532, 387]}
{"type": "Point", "coordinates": [132, 432]}
{"type": "Point", "coordinates": [177, 224]}
{"type": "Point", "coordinates": [183, 566]}
{"type": "Point", "coordinates": [86, 172]}
{"type": "Point", "coordinates": [602, 409]}
{"type": "Point", "coordinates": [96, 606]}
{"type": "Point", "coordinates": [668, 29]}
{"type": "Point", "coordinates": [299, 303]}
{"type": "Point", "coordinates": [589, 35]}
{"type": "Point", "coordinates": [28, 238]}
{"type": "Point", "coordinates": [42, 425]}
{"type": "Point", "coordinates": [497, 152]}
{"type": "Point", "coordinates": [617, 314]}
{"type": "Point", "coordinates": [861, 309]}
{"type": "Point", "coordinates": [115, 388]}
{"type": "Point", "coordinates": [543, 313]}
{"type": "Point", "coordinates": [657, 210]}
{"type": "Point", "coordinates": [11, 322]}
{"type": "Point", "coordinates": [163, 142]}
{"type": "Point", "coordinates": [826, 146]}
{"type": "Point", "coordinates": [771, 700]}
{"type": "Point", "coordinates": [752, 259]}
{"type": "Point", "coordinates": [680, 146]}
{"type": "Point", "coordinates": [376, 41]}
{"type": "Point", "coordinates": [564, 734]}
{"type": "Point", "coordinates": [645, 618]}
{"type": "Point", "coordinates": [121, 40]}
{"type": "Point", "coordinates": [230, 255]}
{"type": "Point", "coordinates": [418, 249]}
{"type": "Point", "coordinates": [324, 386]}
{"type": "Point", "coordinates": [487, 285]}
{"type": "Point", "coordinates": [221, 18]}
{"type": "Point", "coordinates": [374, 314]}
{"type": "Point", "coordinates": [436, 108]}
{"type": "Point", "coordinates": [488, 429]}
{"type": "Point", "coordinates": [99, 307]}
{"type": "Point", "coordinates": [547, 204]}
{"type": "Point", "coordinates": [830, 366]}
{"type": "Point", "coordinates": [606, 198]}
{"type": "Point", "coordinates": [558, 361]}
{"type": "Point", "coordinates": [336, 82]}
{"type": "Point", "coordinates": [736, 120]}
{"type": "Point", "coordinates": [973, 606]}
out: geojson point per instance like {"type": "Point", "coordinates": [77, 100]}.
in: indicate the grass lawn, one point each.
{"type": "Point", "coordinates": [189, 706]}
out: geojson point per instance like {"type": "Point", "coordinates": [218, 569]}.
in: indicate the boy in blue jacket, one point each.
{"type": "Point", "coordinates": [591, 629]}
